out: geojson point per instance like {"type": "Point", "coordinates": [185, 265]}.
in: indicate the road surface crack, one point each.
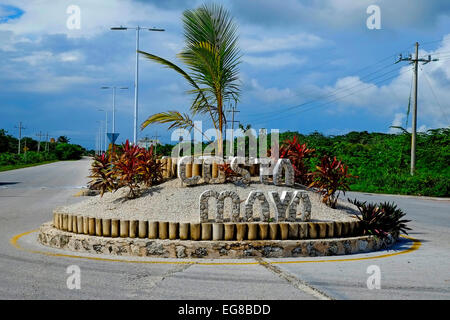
{"type": "Point", "coordinates": [294, 281]}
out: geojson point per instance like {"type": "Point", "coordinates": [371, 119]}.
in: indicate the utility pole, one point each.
{"type": "Point", "coordinates": [233, 110]}
{"type": "Point", "coordinates": [136, 75]}
{"type": "Point", "coordinates": [156, 140]}
{"type": "Point", "coordinates": [46, 142]}
{"type": "Point", "coordinates": [40, 135]}
{"type": "Point", "coordinates": [415, 61]}
{"type": "Point", "coordinates": [20, 127]}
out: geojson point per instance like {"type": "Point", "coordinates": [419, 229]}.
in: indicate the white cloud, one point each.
{"type": "Point", "coordinates": [397, 122]}
{"type": "Point", "coordinates": [50, 17]}
{"type": "Point", "coordinates": [392, 97]}
{"type": "Point", "coordinates": [269, 94]}
{"type": "Point", "coordinates": [256, 43]}
{"type": "Point", "coordinates": [276, 60]}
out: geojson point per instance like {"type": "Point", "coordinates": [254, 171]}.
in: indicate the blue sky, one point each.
{"type": "Point", "coordinates": [294, 52]}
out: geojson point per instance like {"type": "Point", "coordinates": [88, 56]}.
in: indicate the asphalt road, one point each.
{"type": "Point", "coordinates": [28, 196]}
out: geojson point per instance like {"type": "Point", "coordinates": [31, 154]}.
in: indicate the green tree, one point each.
{"type": "Point", "coordinates": [212, 56]}
{"type": "Point", "coordinates": [63, 139]}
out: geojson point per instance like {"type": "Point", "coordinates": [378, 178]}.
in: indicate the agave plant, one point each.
{"type": "Point", "coordinates": [331, 178]}
{"type": "Point", "coordinates": [381, 219]}
{"type": "Point", "coordinates": [212, 56]}
{"type": "Point", "coordinates": [297, 153]}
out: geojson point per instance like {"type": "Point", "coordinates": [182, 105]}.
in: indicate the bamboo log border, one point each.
{"type": "Point", "coordinates": [227, 231]}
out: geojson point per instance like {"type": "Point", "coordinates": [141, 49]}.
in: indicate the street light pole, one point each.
{"type": "Point", "coordinates": [106, 128]}
{"type": "Point", "coordinates": [136, 75]}
{"type": "Point", "coordinates": [114, 104]}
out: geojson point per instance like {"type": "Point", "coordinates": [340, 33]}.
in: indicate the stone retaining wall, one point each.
{"type": "Point", "coordinates": [50, 236]}
{"type": "Point", "coordinates": [204, 231]}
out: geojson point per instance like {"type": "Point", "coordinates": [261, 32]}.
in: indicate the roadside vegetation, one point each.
{"type": "Point", "coordinates": [376, 162]}
{"type": "Point", "coordinates": [60, 149]}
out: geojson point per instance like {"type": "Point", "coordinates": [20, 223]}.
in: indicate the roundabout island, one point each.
{"type": "Point", "coordinates": [246, 218]}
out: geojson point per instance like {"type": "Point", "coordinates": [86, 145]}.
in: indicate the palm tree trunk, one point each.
{"type": "Point", "coordinates": [220, 133]}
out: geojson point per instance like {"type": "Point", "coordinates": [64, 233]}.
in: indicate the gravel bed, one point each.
{"type": "Point", "coordinates": [171, 202]}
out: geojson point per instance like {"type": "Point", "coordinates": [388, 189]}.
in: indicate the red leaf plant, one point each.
{"type": "Point", "coordinates": [297, 153]}
{"type": "Point", "coordinates": [330, 178]}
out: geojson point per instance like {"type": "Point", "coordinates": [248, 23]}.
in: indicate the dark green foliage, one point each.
{"type": "Point", "coordinates": [381, 219]}
{"type": "Point", "coordinates": [66, 151]}
{"type": "Point", "coordinates": [382, 161]}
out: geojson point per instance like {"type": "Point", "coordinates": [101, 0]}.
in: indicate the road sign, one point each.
{"type": "Point", "coordinates": [112, 137]}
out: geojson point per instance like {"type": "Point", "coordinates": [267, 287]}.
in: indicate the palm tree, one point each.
{"type": "Point", "coordinates": [212, 56]}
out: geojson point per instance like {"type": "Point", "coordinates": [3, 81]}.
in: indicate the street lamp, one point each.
{"type": "Point", "coordinates": [99, 134]}
{"type": "Point", "coordinates": [114, 104]}
{"type": "Point", "coordinates": [106, 128]}
{"type": "Point", "coordinates": [136, 78]}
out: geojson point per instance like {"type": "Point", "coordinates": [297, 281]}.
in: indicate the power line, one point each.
{"type": "Point", "coordinates": [368, 85]}
{"type": "Point", "coordinates": [434, 94]}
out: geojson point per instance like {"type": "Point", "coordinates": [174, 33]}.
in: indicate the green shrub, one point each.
{"type": "Point", "coordinates": [66, 151]}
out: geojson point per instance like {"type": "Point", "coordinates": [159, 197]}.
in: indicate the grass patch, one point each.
{"type": "Point", "coordinates": [24, 165]}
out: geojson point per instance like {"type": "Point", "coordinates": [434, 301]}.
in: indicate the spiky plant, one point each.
{"type": "Point", "coordinates": [381, 219]}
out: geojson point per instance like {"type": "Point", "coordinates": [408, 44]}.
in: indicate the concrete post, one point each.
{"type": "Point", "coordinates": [252, 231]}
{"type": "Point", "coordinates": [273, 231]}
{"type": "Point", "coordinates": [217, 231]}
{"type": "Point", "coordinates": [206, 231]}
{"type": "Point", "coordinates": [184, 230]}
{"type": "Point", "coordinates": [284, 230]}
{"type": "Point", "coordinates": [163, 227]}
{"type": "Point", "coordinates": [106, 227]}
{"type": "Point", "coordinates": [153, 232]}
{"type": "Point", "coordinates": [293, 231]}
{"type": "Point", "coordinates": [98, 227]}
{"type": "Point", "coordinates": [91, 222]}
{"type": "Point", "coordinates": [263, 231]}
{"type": "Point", "coordinates": [173, 230]}
{"type": "Point", "coordinates": [115, 228]}
{"type": "Point", "coordinates": [124, 228]}
{"type": "Point", "coordinates": [195, 231]}
{"type": "Point", "coordinates": [142, 229]}
{"type": "Point", "coordinates": [241, 231]}
{"type": "Point", "coordinates": [229, 231]}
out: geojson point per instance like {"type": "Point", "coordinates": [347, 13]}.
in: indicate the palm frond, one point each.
{"type": "Point", "coordinates": [178, 120]}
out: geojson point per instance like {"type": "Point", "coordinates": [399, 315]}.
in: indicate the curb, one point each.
{"type": "Point", "coordinates": [52, 237]}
